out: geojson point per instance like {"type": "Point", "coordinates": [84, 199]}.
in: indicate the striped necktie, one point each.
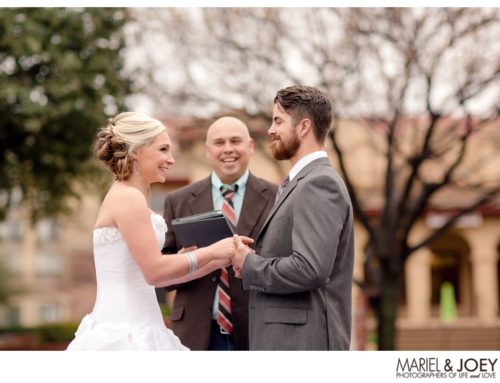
{"type": "Point", "coordinates": [227, 204]}
{"type": "Point", "coordinates": [224, 318]}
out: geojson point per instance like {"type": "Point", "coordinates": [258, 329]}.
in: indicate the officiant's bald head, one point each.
{"type": "Point", "coordinates": [229, 147]}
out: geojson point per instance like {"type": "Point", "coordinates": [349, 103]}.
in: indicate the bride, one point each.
{"type": "Point", "coordinates": [127, 240]}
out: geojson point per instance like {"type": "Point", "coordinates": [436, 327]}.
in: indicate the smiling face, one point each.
{"type": "Point", "coordinates": [154, 159]}
{"type": "Point", "coordinates": [229, 147]}
{"type": "Point", "coordinates": [285, 141]}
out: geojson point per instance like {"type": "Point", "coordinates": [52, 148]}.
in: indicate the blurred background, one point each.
{"type": "Point", "coordinates": [416, 137]}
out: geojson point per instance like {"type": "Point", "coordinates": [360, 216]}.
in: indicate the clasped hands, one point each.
{"type": "Point", "coordinates": [241, 242]}
{"type": "Point", "coordinates": [231, 251]}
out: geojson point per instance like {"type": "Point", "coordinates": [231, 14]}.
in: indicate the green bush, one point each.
{"type": "Point", "coordinates": [56, 332]}
{"type": "Point", "coordinates": [46, 333]}
{"type": "Point", "coordinates": [17, 330]}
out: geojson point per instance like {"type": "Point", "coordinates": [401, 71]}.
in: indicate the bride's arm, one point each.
{"type": "Point", "coordinates": [201, 272]}
{"type": "Point", "coordinates": [133, 218]}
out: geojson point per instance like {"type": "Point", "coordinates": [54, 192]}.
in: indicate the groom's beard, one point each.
{"type": "Point", "coordinates": [285, 150]}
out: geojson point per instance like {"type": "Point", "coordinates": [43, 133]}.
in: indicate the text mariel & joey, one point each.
{"type": "Point", "coordinates": [484, 368]}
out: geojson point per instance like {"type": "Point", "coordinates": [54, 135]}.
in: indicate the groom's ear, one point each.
{"type": "Point", "coordinates": [305, 126]}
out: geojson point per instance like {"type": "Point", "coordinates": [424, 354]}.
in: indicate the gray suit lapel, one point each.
{"type": "Point", "coordinates": [305, 171]}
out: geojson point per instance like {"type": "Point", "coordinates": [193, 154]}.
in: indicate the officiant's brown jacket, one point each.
{"type": "Point", "coordinates": [191, 314]}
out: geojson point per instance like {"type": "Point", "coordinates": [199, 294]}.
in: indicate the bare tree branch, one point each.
{"type": "Point", "coordinates": [359, 212]}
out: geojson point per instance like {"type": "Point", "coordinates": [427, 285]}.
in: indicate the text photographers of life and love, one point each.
{"type": "Point", "coordinates": [442, 368]}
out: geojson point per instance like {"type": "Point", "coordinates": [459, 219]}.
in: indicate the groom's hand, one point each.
{"type": "Point", "coordinates": [246, 240]}
{"type": "Point", "coordinates": [241, 253]}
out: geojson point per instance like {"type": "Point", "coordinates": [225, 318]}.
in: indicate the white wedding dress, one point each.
{"type": "Point", "coordinates": [126, 314]}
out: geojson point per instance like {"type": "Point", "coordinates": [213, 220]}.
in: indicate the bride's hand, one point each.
{"type": "Point", "coordinates": [223, 249]}
{"type": "Point", "coordinates": [217, 264]}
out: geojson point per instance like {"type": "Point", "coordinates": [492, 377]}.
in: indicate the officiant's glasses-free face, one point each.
{"type": "Point", "coordinates": [228, 151]}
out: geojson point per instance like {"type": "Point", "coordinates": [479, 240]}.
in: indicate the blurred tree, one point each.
{"type": "Point", "coordinates": [428, 83]}
{"type": "Point", "coordinates": [61, 75]}
{"type": "Point", "coordinates": [6, 286]}
{"type": "Point", "coordinates": [424, 83]}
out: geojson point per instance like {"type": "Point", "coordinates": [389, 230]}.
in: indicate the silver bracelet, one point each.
{"type": "Point", "coordinates": [192, 262]}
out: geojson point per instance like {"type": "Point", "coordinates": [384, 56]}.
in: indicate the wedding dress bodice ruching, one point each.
{"type": "Point", "coordinates": [126, 314]}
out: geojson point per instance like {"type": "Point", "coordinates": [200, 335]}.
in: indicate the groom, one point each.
{"type": "Point", "coordinates": [300, 275]}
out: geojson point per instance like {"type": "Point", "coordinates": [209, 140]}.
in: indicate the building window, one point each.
{"type": "Point", "coordinates": [48, 264]}
{"type": "Point", "coordinates": [12, 260]}
{"type": "Point", "coordinates": [10, 316]}
{"type": "Point", "coordinates": [49, 312]}
{"type": "Point", "coordinates": [10, 230]}
{"type": "Point", "coordinates": [13, 316]}
{"type": "Point", "coordinates": [47, 230]}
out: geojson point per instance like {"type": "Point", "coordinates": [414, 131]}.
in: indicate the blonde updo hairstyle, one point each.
{"type": "Point", "coordinates": [116, 143]}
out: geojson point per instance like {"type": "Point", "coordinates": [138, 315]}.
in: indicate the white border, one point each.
{"type": "Point", "coordinates": [264, 367]}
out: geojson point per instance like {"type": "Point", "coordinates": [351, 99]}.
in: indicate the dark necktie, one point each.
{"type": "Point", "coordinates": [282, 187]}
{"type": "Point", "coordinates": [224, 318]}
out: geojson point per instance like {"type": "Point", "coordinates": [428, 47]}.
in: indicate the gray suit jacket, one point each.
{"type": "Point", "coordinates": [301, 275]}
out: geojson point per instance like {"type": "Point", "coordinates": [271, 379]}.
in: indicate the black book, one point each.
{"type": "Point", "coordinates": [202, 229]}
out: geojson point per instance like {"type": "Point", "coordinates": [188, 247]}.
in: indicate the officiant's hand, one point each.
{"type": "Point", "coordinates": [242, 251]}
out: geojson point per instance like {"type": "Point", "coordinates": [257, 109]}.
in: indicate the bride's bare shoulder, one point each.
{"type": "Point", "coordinates": [121, 200]}
{"type": "Point", "coordinates": [124, 193]}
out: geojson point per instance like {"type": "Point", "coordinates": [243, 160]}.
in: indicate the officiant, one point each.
{"type": "Point", "coordinates": [211, 313]}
